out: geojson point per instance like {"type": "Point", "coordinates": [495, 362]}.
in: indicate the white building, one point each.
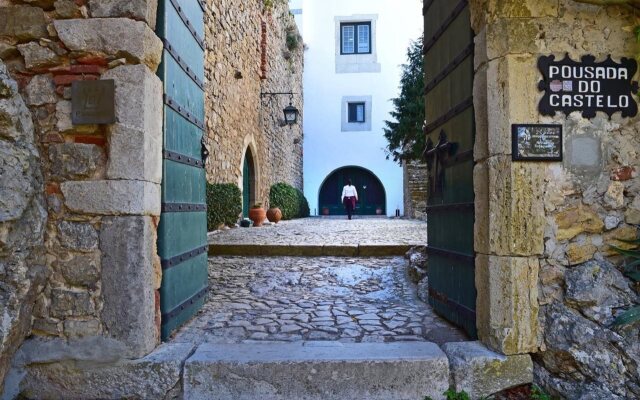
{"type": "Point", "coordinates": [352, 70]}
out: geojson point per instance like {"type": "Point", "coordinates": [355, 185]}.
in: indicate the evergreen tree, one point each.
{"type": "Point", "coordinates": [405, 137]}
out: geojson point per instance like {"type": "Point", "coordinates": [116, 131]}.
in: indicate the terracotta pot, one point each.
{"type": "Point", "coordinates": [257, 215]}
{"type": "Point", "coordinates": [274, 215]}
{"type": "Point", "coordinates": [325, 211]}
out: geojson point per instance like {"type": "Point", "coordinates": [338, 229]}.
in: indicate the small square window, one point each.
{"type": "Point", "coordinates": [356, 112]}
{"type": "Point", "coordinates": [355, 38]}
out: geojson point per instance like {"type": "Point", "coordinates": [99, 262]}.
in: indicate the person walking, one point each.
{"type": "Point", "coordinates": [349, 197]}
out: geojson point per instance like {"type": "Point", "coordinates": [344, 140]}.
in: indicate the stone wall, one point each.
{"type": "Point", "coordinates": [101, 184]}
{"type": "Point", "coordinates": [547, 278]}
{"type": "Point", "coordinates": [246, 55]}
{"type": "Point", "coordinates": [415, 175]}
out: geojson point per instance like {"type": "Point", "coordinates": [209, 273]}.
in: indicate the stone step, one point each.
{"type": "Point", "coordinates": [316, 371]}
{"type": "Point", "coordinates": [311, 250]}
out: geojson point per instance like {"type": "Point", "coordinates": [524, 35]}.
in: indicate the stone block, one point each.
{"type": "Point", "coordinates": [516, 220]}
{"type": "Point", "coordinates": [619, 238]}
{"type": "Point", "coordinates": [54, 350]}
{"type": "Point", "coordinates": [112, 197]}
{"type": "Point", "coordinates": [579, 253]}
{"type": "Point", "coordinates": [23, 23]}
{"type": "Point", "coordinates": [66, 303]}
{"type": "Point", "coordinates": [481, 144]}
{"type": "Point", "coordinates": [67, 9]}
{"type": "Point", "coordinates": [481, 190]}
{"type": "Point", "coordinates": [576, 220]}
{"type": "Point", "coordinates": [118, 37]}
{"type": "Point", "coordinates": [151, 377]}
{"type": "Point", "coordinates": [481, 372]}
{"type": "Point", "coordinates": [41, 90]}
{"type": "Point", "coordinates": [632, 215]}
{"type": "Point", "coordinates": [327, 371]}
{"type": "Point", "coordinates": [507, 303]}
{"type": "Point", "coordinates": [37, 56]}
{"type": "Point", "coordinates": [63, 116]}
{"type": "Point", "coordinates": [129, 261]}
{"type": "Point", "coordinates": [72, 161]}
{"type": "Point", "coordinates": [81, 270]}
{"type": "Point", "coordinates": [141, 10]}
{"type": "Point", "coordinates": [77, 236]}
{"type": "Point", "coordinates": [614, 197]}
{"type": "Point", "coordinates": [76, 328]}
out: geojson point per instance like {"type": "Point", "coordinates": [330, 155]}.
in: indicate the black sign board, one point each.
{"type": "Point", "coordinates": [93, 102]}
{"type": "Point", "coordinates": [532, 142]}
{"type": "Point", "coordinates": [588, 86]}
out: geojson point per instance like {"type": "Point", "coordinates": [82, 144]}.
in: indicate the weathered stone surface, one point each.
{"type": "Point", "coordinates": [51, 350]}
{"type": "Point", "coordinates": [579, 253]}
{"type": "Point", "coordinates": [112, 197]}
{"type": "Point", "coordinates": [614, 197]}
{"type": "Point", "coordinates": [597, 289]}
{"type": "Point", "coordinates": [7, 50]}
{"type": "Point", "coordinates": [135, 144]}
{"type": "Point", "coordinates": [71, 161]}
{"type": "Point", "coordinates": [129, 281]}
{"type": "Point", "coordinates": [507, 303]}
{"type": "Point", "coordinates": [329, 371]}
{"type": "Point", "coordinates": [78, 236]}
{"type": "Point", "coordinates": [577, 220]}
{"type": "Point", "coordinates": [619, 238]}
{"type": "Point", "coordinates": [151, 377]}
{"type": "Point", "coordinates": [71, 303]}
{"type": "Point", "coordinates": [81, 270]}
{"type": "Point", "coordinates": [37, 56]}
{"type": "Point", "coordinates": [481, 372]}
{"type": "Point", "coordinates": [120, 37]}
{"type": "Point", "coordinates": [41, 90]}
{"type": "Point", "coordinates": [143, 10]}
{"type": "Point", "coordinates": [632, 215]}
{"type": "Point", "coordinates": [67, 9]}
{"type": "Point", "coordinates": [76, 328]}
{"type": "Point", "coordinates": [23, 23]}
{"type": "Point", "coordinates": [63, 116]}
{"type": "Point", "coordinates": [22, 216]}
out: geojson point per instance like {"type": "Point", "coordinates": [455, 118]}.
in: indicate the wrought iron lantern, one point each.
{"type": "Point", "coordinates": [290, 114]}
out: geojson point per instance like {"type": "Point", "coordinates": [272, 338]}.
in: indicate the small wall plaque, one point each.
{"type": "Point", "coordinates": [531, 142]}
{"type": "Point", "coordinates": [93, 102]}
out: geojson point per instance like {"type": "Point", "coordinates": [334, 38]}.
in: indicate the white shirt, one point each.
{"type": "Point", "coordinates": [349, 191]}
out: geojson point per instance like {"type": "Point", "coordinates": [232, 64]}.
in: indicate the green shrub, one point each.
{"type": "Point", "coordinates": [289, 200]}
{"type": "Point", "coordinates": [632, 270]}
{"type": "Point", "coordinates": [224, 204]}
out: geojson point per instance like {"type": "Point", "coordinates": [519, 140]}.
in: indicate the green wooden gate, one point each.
{"type": "Point", "coordinates": [450, 130]}
{"type": "Point", "coordinates": [182, 233]}
{"type": "Point", "coordinates": [371, 193]}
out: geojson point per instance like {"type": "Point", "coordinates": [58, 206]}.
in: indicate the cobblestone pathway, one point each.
{"type": "Point", "coordinates": [324, 298]}
{"type": "Point", "coordinates": [319, 231]}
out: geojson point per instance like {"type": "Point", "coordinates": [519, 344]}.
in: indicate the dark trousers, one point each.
{"type": "Point", "coordinates": [350, 205]}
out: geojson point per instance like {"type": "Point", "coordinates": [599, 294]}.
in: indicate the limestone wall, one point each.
{"type": "Point", "coordinates": [100, 184]}
{"type": "Point", "coordinates": [246, 55]}
{"type": "Point", "coordinates": [415, 176]}
{"type": "Point", "coordinates": [548, 280]}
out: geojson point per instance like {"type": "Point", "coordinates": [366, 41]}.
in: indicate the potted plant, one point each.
{"type": "Point", "coordinates": [257, 214]}
{"type": "Point", "coordinates": [274, 214]}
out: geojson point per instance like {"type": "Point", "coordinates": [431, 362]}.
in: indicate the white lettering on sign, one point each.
{"type": "Point", "coordinates": [587, 72]}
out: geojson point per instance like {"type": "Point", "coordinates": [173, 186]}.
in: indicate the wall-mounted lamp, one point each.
{"type": "Point", "coordinates": [290, 112]}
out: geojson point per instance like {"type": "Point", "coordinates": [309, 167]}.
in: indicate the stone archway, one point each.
{"type": "Point", "coordinates": [248, 182]}
{"type": "Point", "coordinates": [371, 191]}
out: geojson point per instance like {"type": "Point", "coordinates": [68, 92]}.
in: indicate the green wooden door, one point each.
{"type": "Point", "coordinates": [371, 193]}
{"type": "Point", "coordinates": [448, 49]}
{"type": "Point", "coordinates": [182, 233]}
{"type": "Point", "coordinates": [246, 185]}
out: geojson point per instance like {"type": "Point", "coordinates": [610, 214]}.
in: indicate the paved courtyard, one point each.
{"type": "Point", "coordinates": [329, 231]}
{"type": "Point", "coordinates": [348, 299]}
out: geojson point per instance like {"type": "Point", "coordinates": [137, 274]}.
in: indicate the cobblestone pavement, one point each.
{"type": "Point", "coordinates": [329, 231]}
{"type": "Point", "coordinates": [323, 298]}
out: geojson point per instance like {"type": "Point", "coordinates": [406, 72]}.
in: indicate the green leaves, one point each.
{"type": "Point", "coordinates": [289, 200]}
{"type": "Point", "coordinates": [628, 317]}
{"type": "Point", "coordinates": [404, 135]}
{"type": "Point", "coordinates": [632, 270]}
{"type": "Point", "coordinates": [224, 204]}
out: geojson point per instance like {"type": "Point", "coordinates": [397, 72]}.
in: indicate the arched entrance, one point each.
{"type": "Point", "coordinates": [248, 183]}
{"type": "Point", "coordinates": [371, 193]}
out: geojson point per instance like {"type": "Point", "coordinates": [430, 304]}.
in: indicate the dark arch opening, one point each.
{"type": "Point", "coordinates": [248, 183]}
{"type": "Point", "coordinates": [371, 194]}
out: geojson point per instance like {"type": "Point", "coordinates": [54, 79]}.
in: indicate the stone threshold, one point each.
{"type": "Point", "coordinates": [311, 250]}
{"type": "Point", "coordinates": [312, 370]}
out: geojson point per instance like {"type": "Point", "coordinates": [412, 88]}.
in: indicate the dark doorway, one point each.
{"type": "Point", "coordinates": [371, 194]}
{"type": "Point", "coordinates": [248, 183]}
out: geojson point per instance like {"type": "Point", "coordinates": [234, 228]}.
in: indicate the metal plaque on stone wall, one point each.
{"type": "Point", "coordinates": [536, 142]}
{"type": "Point", "coordinates": [93, 102]}
{"type": "Point", "coordinates": [588, 86]}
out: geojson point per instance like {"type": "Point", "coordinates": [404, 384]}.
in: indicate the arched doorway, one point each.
{"type": "Point", "coordinates": [371, 193]}
{"type": "Point", "coordinates": [248, 182]}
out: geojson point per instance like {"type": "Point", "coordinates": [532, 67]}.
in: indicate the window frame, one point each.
{"type": "Point", "coordinates": [355, 37]}
{"type": "Point", "coordinates": [364, 112]}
